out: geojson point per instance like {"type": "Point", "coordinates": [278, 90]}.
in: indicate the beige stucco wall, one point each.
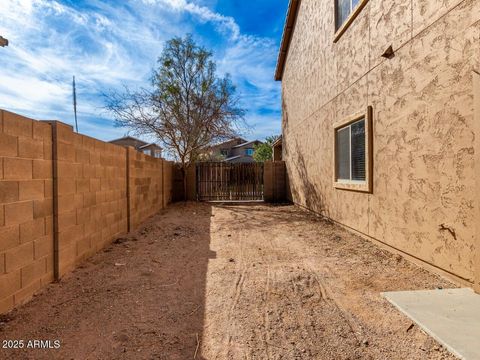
{"type": "Point", "coordinates": [476, 97]}
{"type": "Point", "coordinates": [423, 122]}
{"type": "Point", "coordinates": [61, 188]}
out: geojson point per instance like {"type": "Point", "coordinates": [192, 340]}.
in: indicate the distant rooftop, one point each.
{"type": "Point", "coordinates": [140, 144]}
{"type": "Point", "coordinates": [246, 143]}
{"type": "Point", "coordinates": [127, 138]}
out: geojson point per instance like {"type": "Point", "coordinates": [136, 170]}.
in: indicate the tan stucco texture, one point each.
{"type": "Point", "coordinates": [423, 200]}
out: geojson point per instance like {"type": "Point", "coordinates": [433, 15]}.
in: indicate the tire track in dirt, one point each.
{"type": "Point", "coordinates": [308, 333]}
{"type": "Point", "coordinates": [233, 282]}
{"type": "Point", "coordinates": [279, 261]}
{"type": "Point", "coordinates": [238, 288]}
{"type": "Point", "coordinates": [327, 295]}
{"type": "Point", "coordinates": [266, 323]}
{"type": "Point", "coordinates": [242, 271]}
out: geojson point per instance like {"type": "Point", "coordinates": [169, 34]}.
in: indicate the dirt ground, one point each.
{"type": "Point", "coordinates": [201, 281]}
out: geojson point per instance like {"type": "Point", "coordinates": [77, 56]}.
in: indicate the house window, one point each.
{"type": "Point", "coordinates": [147, 152]}
{"type": "Point", "coordinates": [352, 157]}
{"type": "Point", "coordinates": [344, 9]}
{"type": "Point", "coordinates": [345, 12]}
{"type": "Point", "coordinates": [158, 154]}
{"type": "Point", "coordinates": [351, 152]}
{"type": "Point", "coordinates": [249, 152]}
{"type": "Point", "coordinates": [224, 152]}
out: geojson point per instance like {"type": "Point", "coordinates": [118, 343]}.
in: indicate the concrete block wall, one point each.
{"type": "Point", "coordinates": [92, 195]}
{"type": "Point", "coordinates": [146, 183]}
{"type": "Point", "coordinates": [26, 208]}
{"type": "Point", "coordinates": [64, 196]}
{"type": "Point", "coordinates": [167, 182]}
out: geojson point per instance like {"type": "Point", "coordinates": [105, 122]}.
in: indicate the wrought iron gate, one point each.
{"type": "Point", "coordinates": [221, 181]}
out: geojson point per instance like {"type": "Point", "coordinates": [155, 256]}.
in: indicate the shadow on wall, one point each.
{"type": "Point", "coordinates": [298, 177]}
{"type": "Point", "coordinates": [285, 152]}
{"type": "Point", "coordinates": [178, 192]}
{"type": "Point", "coordinates": [144, 297]}
{"type": "Point", "coordinates": [304, 187]}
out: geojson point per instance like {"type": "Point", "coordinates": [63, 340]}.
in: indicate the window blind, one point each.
{"type": "Point", "coordinates": [358, 150]}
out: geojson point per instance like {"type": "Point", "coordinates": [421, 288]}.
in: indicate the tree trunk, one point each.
{"type": "Point", "coordinates": [184, 178]}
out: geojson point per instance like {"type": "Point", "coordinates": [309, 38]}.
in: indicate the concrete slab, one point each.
{"type": "Point", "coordinates": [451, 316]}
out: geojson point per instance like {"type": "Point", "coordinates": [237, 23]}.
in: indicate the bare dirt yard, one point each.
{"type": "Point", "coordinates": [202, 281]}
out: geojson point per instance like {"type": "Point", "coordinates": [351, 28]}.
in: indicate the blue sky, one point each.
{"type": "Point", "coordinates": [108, 44]}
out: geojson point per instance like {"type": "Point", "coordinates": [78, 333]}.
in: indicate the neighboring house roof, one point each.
{"type": "Point", "coordinates": [225, 143]}
{"type": "Point", "coordinates": [278, 141]}
{"type": "Point", "coordinates": [246, 144]}
{"type": "Point", "coordinates": [231, 148]}
{"type": "Point", "coordinates": [147, 145]}
{"type": "Point", "coordinates": [134, 142]}
{"type": "Point", "coordinates": [290, 22]}
{"type": "Point", "coordinates": [128, 138]}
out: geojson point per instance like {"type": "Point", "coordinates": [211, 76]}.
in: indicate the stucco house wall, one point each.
{"type": "Point", "coordinates": [423, 199]}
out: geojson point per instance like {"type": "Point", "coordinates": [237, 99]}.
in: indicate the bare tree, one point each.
{"type": "Point", "coordinates": [187, 108]}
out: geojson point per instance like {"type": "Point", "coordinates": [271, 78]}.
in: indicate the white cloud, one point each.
{"type": "Point", "coordinates": [110, 44]}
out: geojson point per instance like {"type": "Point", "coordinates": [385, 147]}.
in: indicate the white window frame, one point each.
{"type": "Point", "coordinates": [147, 152]}
{"type": "Point", "coordinates": [355, 185]}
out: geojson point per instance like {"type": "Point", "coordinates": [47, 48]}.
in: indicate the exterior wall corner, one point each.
{"type": "Point", "coordinates": [476, 96]}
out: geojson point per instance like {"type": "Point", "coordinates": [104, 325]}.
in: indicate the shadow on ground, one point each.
{"type": "Point", "coordinates": [202, 281]}
{"type": "Point", "coordinates": [143, 297]}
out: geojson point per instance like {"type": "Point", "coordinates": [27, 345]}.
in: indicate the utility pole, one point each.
{"type": "Point", "coordinates": [3, 41]}
{"type": "Point", "coordinates": [75, 104]}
